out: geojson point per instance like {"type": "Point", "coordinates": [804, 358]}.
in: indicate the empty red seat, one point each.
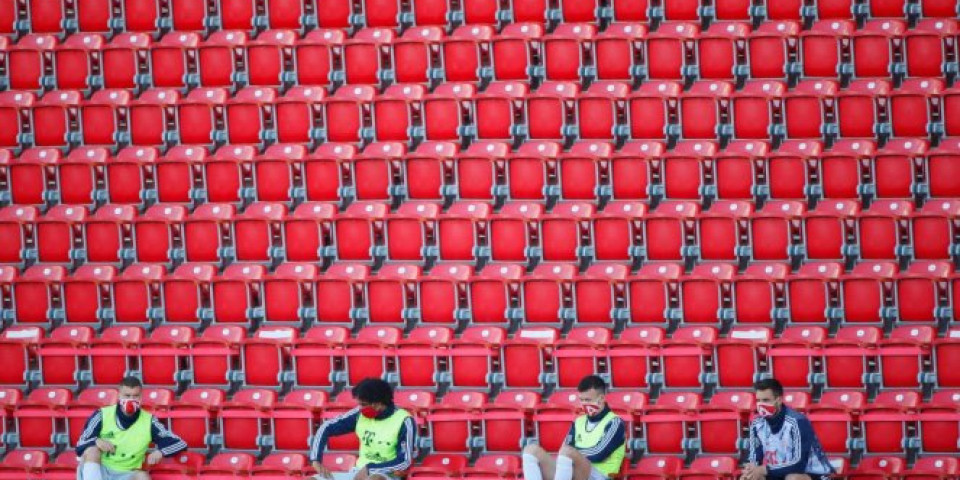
{"type": "Point", "coordinates": [817, 285]}
{"type": "Point", "coordinates": [472, 356]}
{"type": "Point", "coordinates": [15, 108]}
{"type": "Point", "coordinates": [315, 356]}
{"type": "Point", "coordinates": [87, 294]}
{"type": "Point", "coordinates": [665, 423]}
{"type": "Point", "coordinates": [668, 51]}
{"type": "Point", "coordinates": [701, 108]}
{"type": "Point", "coordinates": [653, 294]}
{"type": "Point", "coordinates": [169, 60]}
{"type": "Point", "coordinates": [242, 420]}
{"type": "Point", "coordinates": [299, 115]}
{"type": "Point", "coordinates": [931, 467]}
{"type": "Point", "coordinates": [685, 356]}
{"type": "Point", "coordinates": [315, 53]}
{"type": "Point", "coordinates": [847, 356]}
{"type": "Point", "coordinates": [636, 347]}
{"type": "Point", "coordinates": [27, 62]}
{"type": "Point", "coordinates": [420, 356]}
{"type": "Point", "coordinates": [340, 294]}
{"type": "Point", "coordinates": [938, 426]}
{"type": "Point", "coordinates": [207, 233]}
{"type": "Point", "coordinates": [54, 117]}
{"type": "Point", "coordinates": [833, 419]}
{"type": "Point", "coordinates": [18, 344]}
{"type": "Point", "coordinates": [828, 228]}
{"type": "Point", "coordinates": [946, 350]}
{"type": "Point", "coordinates": [17, 228]}
{"type": "Point", "coordinates": [367, 355]}
{"type": "Point", "coordinates": [109, 362]}
{"type": "Point", "coordinates": [527, 347]}
{"type": "Point", "coordinates": [38, 419]}
{"type": "Point", "coordinates": [347, 114]}
{"type": "Point", "coordinates": [871, 468]}
{"type": "Point", "coordinates": [26, 464]}
{"type": "Point", "coordinates": [268, 349]}
{"type": "Point", "coordinates": [873, 48]}
{"type": "Point", "coordinates": [546, 295]}
{"type": "Point", "coordinates": [796, 354]}
{"type": "Point", "coordinates": [911, 111]}
{"type": "Point", "coordinates": [150, 116]}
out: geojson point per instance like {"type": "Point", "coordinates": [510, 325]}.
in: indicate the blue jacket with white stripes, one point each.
{"type": "Point", "coordinates": [347, 423]}
{"type": "Point", "coordinates": [166, 441]}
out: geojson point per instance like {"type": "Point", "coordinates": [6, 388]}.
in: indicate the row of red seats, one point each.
{"type": "Point", "coordinates": [895, 422]}
{"type": "Point", "coordinates": [521, 52]}
{"type": "Point", "coordinates": [692, 357]}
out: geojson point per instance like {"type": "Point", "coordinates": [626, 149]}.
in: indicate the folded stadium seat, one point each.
{"type": "Point", "coordinates": [214, 356]}
{"type": "Point", "coordinates": [635, 171]}
{"type": "Point", "coordinates": [839, 9]}
{"type": "Point", "coordinates": [439, 465]}
{"type": "Point", "coordinates": [629, 405]}
{"type": "Point", "coordinates": [417, 55]}
{"type": "Point", "coordinates": [185, 463]}
{"type": "Point", "coordinates": [326, 173]}
{"type": "Point", "coordinates": [396, 114]}
{"type": "Point", "coordinates": [666, 423]}
{"type": "Point", "coordinates": [844, 169]}
{"type": "Point", "coordinates": [499, 113]}
{"type": "Point", "coordinates": [722, 421]}
{"type": "Point", "coordinates": [809, 109]}
{"type": "Point", "coordinates": [173, 61]}
{"type": "Point", "coordinates": [898, 169]}
{"type": "Point", "coordinates": [278, 173]}
{"type": "Point", "coordinates": [316, 355]}
{"type": "Point", "coordinates": [688, 171]}
{"type": "Point", "coordinates": [706, 294]}
{"type": "Point", "coordinates": [29, 60]}
{"type": "Point", "coordinates": [15, 109]}
{"type": "Point", "coordinates": [284, 465]}
{"type": "Point", "coordinates": [619, 53]}
{"type": "Point", "coordinates": [533, 11]}
{"type": "Point", "coordinates": [905, 357]}
{"type": "Point", "coordinates": [928, 48]}
{"type": "Point", "coordinates": [429, 173]}
{"type": "Point", "coordinates": [268, 349]}
{"type": "Point", "coordinates": [776, 230]}
{"type": "Point", "coordinates": [367, 57]}
{"type": "Point", "coordinates": [494, 295]}
{"type": "Point", "coordinates": [826, 49]}
{"type": "Point", "coordinates": [794, 358]}
{"type": "Point", "coordinates": [514, 51]}
{"type": "Point", "coordinates": [870, 283]}
{"type": "Point", "coordinates": [530, 347]}
{"type": "Point", "coordinates": [938, 424]}
{"type": "Point", "coordinates": [60, 234]}
{"type": "Point", "coordinates": [599, 112]}
{"type": "Point", "coordinates": [19, 344]}
{"type": "Point", "coordinates": [941, 165]}
{"type": "Point", "coordinates": [221, 60]}
{"type": "Point", "coordinates": [776, 40]}
{"type": "Point", "coordinates": [371, 353]}
{"type": "Point", "coordinates": [550, 111]}
{"type": "Point", "coordinates": [444, 295]}
{"type": "Point", "coordinates": [702, 109]}
{"type": "Point", "coordinates": [236, 294]}
{"type": "Point", "coordinates": [922, 293]}
{"type": "Point", "coordinates": [392, 295]}
{"type": "Point", "coordinates": [200, 117]}
{"type": "Point", "coordinates": [448, 112]}
{"type": "Point", "coordinates": [582, 169]}
{"type": "Point", "coordinates": [514, 233]}
{"type": "Point", "coordinates": [634, 348]}
{"type": "Point", "coordinates": [40, 418]}
{"type": "Point", "coordinates": [150, 117]}
{"type": "Point", "coordinates": [17, 227]}
{"type": "Point", "coordinates": [830, 230]}
{"type": "Point", "coordinates": [45, 17]}
{"type": "Point", "coordinates": [288, 294]}
{"type": "Point", "coordinates": [618, 232]}
{"type": "Point", "coordinates": [147, 16]}
{"type": "Point", "coordinates": [505, 423]}
{"type": "Point", "coordinates": [299, 115]}
{"type": "Point", "coordinates": [706, 468]}
{"type": "Point", "coordinates": [946, 350]}
{"type": "Point", "coordinates": [61, 355]}
{"type": "Point", "coordinates": [835, 418]}
{"type": "Point", "coordinates": [232, 464]}
{"type": "Point", "coordinates": [480, 12]}
{"type": "Point", "coordinates": [599, 295]}
{"type": "Point", "coordinates": [568, 53]}
{"type": "Point", "coordinates": [687, 356]}
{"type": "Point", "coordinates": [422, 357]}
{"type": "Point", "coordinates": [580, 354]}
{"type": "Point", "coordinates": [157, 233]}
{"type": "Point", "coordinates": [450, 421]}
{"type": "Point", "coordinates": [931, 467]}
{"type": "Point", "coordinates": [348, 114]}
{"type": "Point", "coordinates": [127, 173]}
{"type": "Point", "coordinates": [162, 358]}
{"type": "Point", "coordinates": [883, 230]}
{"type": "Point", "coordinates": [158, 400]}
{"type": "Point", "coordinates": [377, 170]}
{"type": "Point", "coordinates": [100, 117]}
{"type": "Point", "coordinates": [915, 109]}
{"type": "Point", "coordinates": [547, 295]}
{"type": "Point", "coordinates": [532, 171]}
{"type": "Point", "coordinates": [310, 224]}
{"type": "Point", "coordinates": [465, 54]}
{"type": "Point", "coordinates": [484, 163]}
{"type": "Point", "coordinates": [270, 58]}
{"type": "Point", "coordinates": [873, 49]}
{"type": "Point", "coordinates": [207, 233]}
{"type": "Point", "coordinates": [473, 356]}
{"type": "Point", "coordinates": [78, 62]}
{"type": "Point", "coordinates": [652, 467]}
{"type": "Point", "coordinates": [758, 111]}
{"type": "Point", "coordinates": [740, 169]}
{"type": "Point", "coordinates": [951, 105]}
{"type": "Point", "coordinates": [411, 233]}
{"type": "Point", "coordinates": [316, 54]}
{"type": "Point", "coordinates": [848, 357]}
{"type": "Point", "coordinates": [35, 294]}
{"type": "Point", "coordinates": [360, 232]}
{"type": "Point", "coordinates": [724, 231]}
{"type": "Point", "coordinates": [24, 464]}
{"type": "Point", "coordinates": [193, 414]}
{"type": "Point", "coordinates": [178, 172]}
{"type": "Point", "coordinates": [654, 294]}
{"type": "Point", "coordinates": [340, 298]}
{"type": "Point", "coordinates": [80, 409]}
{"type": "Point", "coordinates": [741, 357]}
{"type": "Point", "coordinates": [934, 224]}
{"type": "Point", "coordinates": [725, 45]}
{"type": "Point", "coordinates": [240, 15]}
{"type": "Point", "coordinates": [671, 52]}
{"type": "Point", "coordinates": [251, 118]}
{"type": "Point", "coordinates": [258, 232]}
{"type": "Point", "coordinates": [109, 362]}
{"type": "Point", "coordinates": [296, 416]}
{"type": "Point", "coordinates": [565, 233]}
{"type": "Point", "coordinates": [109, 235]}
{"type": "Point", "coordinates": [54, 117]}
{"type": "Point", "coordinates": [552, 418]}
{"type": "Point", "coordinates": [87, 295]}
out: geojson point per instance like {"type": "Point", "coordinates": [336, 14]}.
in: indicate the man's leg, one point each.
{"type": "Point", "coordinates": [798, 476]}
{"type": "Point", "coordinates": [140, 475]}
{"type": "Point", "coordinates": [572, 465]}
{"type": "Point", "coordinates": [90, 464]}
{"type": "Point", "coordinates": [538, 464]}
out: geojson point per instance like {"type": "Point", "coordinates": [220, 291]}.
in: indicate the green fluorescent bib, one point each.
{"type": "Point", "coordinates": [131, 444]}
{"type": "Point", "coordinates": [378, 438]}
{"type": "Point", "coordinates": [584, 439]}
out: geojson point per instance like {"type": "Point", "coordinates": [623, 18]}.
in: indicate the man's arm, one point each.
{"type": "Point", "coordinates": [801, 439]}
{"type": "Point", "coordinates": [614, 435]}
{"type": "Point", "coordinates": [167, 442]}
{"type": "Point", "coordinates": [406, 441]}
{"type": "Point", "coordinates": [568, 440]}
{"type": "Point", "coordinates": [91, 432]}
{"type": "Point", "coordinates": [341, 425]}
{"type": "Point", "coordinates": [756, 448]}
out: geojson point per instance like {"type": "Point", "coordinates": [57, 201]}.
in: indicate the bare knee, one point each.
{"type": "Point", "coordinates": [798, 476]}
{"type": "Point", "coordinates": [534, 449]}
{"type": "Point", "coordinates": [90, 455]}
{"type": "Point", "coordinates": [570, 452]}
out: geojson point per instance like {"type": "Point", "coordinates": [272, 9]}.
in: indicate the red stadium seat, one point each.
{"type": "Point", "coordinates": [420, 356]}
{"type": "Point", "coordinates": [873, 48]}
{"type": "Point", "coordinates": [913, 108]}
{"type": "Point", "coordinates": [315, 54]}
{"type": "Point", "coordinates": [241, 420]}
{"type": "Point", "coordinates": [109, 362]}
{"type": "Point", "coordinates": [366, 56]}
{"type": "Point", "coordinates": [444, 295]}
{"type": "Point", "coordinates": [472, 356]}
{"type": "Point", "coordinates": [685, 357]}
{"type": "Point", "coordinates": [340, 294]}
{"type": "Point", "coordinates": [17, 228]}
{"type": "Point", "coordinates": [669, 51]}
{"type": "Point", "coordinates": [27, 62]}
{"type": "Point", "coordinates": [347, 114]}
{"type": "Point", "coordinates": [235, 294]}
{"type": "Point", "coordinates": [580, 354]}
{"type": "Point", "coordinates": [367, 355]}
{"type": "Point", "coordinates": [39, 418]}
{"type": "Point", "coordinates": [665, 423]}
{"type": "Point", "coordinates": [813, 294]}
{"type": "Point", "coordinates": [701, 108]}
{"type": "Point", "coordinates": [24, 464]}
{"type": "Point", "coordinates": [635, 348]}
{"type": "Point", "coordinates": [847, 356]}
{"type": "Point", "coordinates": [18, 344]}
{"type": "Point", "coordinates": [86, 294]}
{"type": "Point", "coordinates": [528, 347]}
{"type": "Point", "coordinates": [706, 294]}
{"type": "Point", "coordinates": [723, 230]}
{"type": "Point", "coordinates": [938, 426]}
{"type": "Point", "coordinates": [946, 350]}
{"type": "Point", "coordinates": [829, 228]}
{"type": "Point", "coordinates": [53, 118]}
{"type": "Point", "coordinates": [795, 355]}
{"type": "Point", "coordinates": [207, 233]}
{"type": "Point", "coordinates": [315, 356]}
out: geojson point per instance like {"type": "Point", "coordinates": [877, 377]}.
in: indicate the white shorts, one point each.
{"type": "Point", "coordinates": [108, 474]}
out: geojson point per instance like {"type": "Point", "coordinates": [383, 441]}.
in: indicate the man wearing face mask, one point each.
{"type": "Point", "coordinates": [783, 445]}
{"type": "Point", "coordinates": [594, 448]}
{"type": "Point", "coordinates": [115, 439]}
{"type": "Point", "coordinates": [387, 434]}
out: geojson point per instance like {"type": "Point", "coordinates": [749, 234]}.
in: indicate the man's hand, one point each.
{"type": "Point", "coordinates": [105, 446]}
{"type": "Point", "coordinates": [154, 457]}
{"type": "Point", "coordinates": [753, 472]}
{"type": "Point", "coordinates": [362, 474]}
{"type": "Point", "coordinates": [322, 472]}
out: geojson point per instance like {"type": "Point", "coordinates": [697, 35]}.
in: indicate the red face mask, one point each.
{"type": "Point", "coordinates": [764, 410]}
{"type": "Point", "coordinates": [590, 409]}
{"type": "Point", "coordinates": [129, 406]}
{"type": "Point", "coordinates": [369, 412]}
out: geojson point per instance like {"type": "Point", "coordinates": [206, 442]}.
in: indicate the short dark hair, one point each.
{"type": "Point", "coordinates": [131, 382]}
{"type": "Point", "coordinates": [592, 382]}
{"type": "Point", "coordinates": [770, 384]}
{"type": "Point", "coordinates": [373, 390]}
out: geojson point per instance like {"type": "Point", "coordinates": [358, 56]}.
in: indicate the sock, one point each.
{"type": "Point", "coordinates": [90, 471]}
{"type": "Point", "coordinates": [564, 468]}
{"type": "Point", "coordinates": [531, 468]}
